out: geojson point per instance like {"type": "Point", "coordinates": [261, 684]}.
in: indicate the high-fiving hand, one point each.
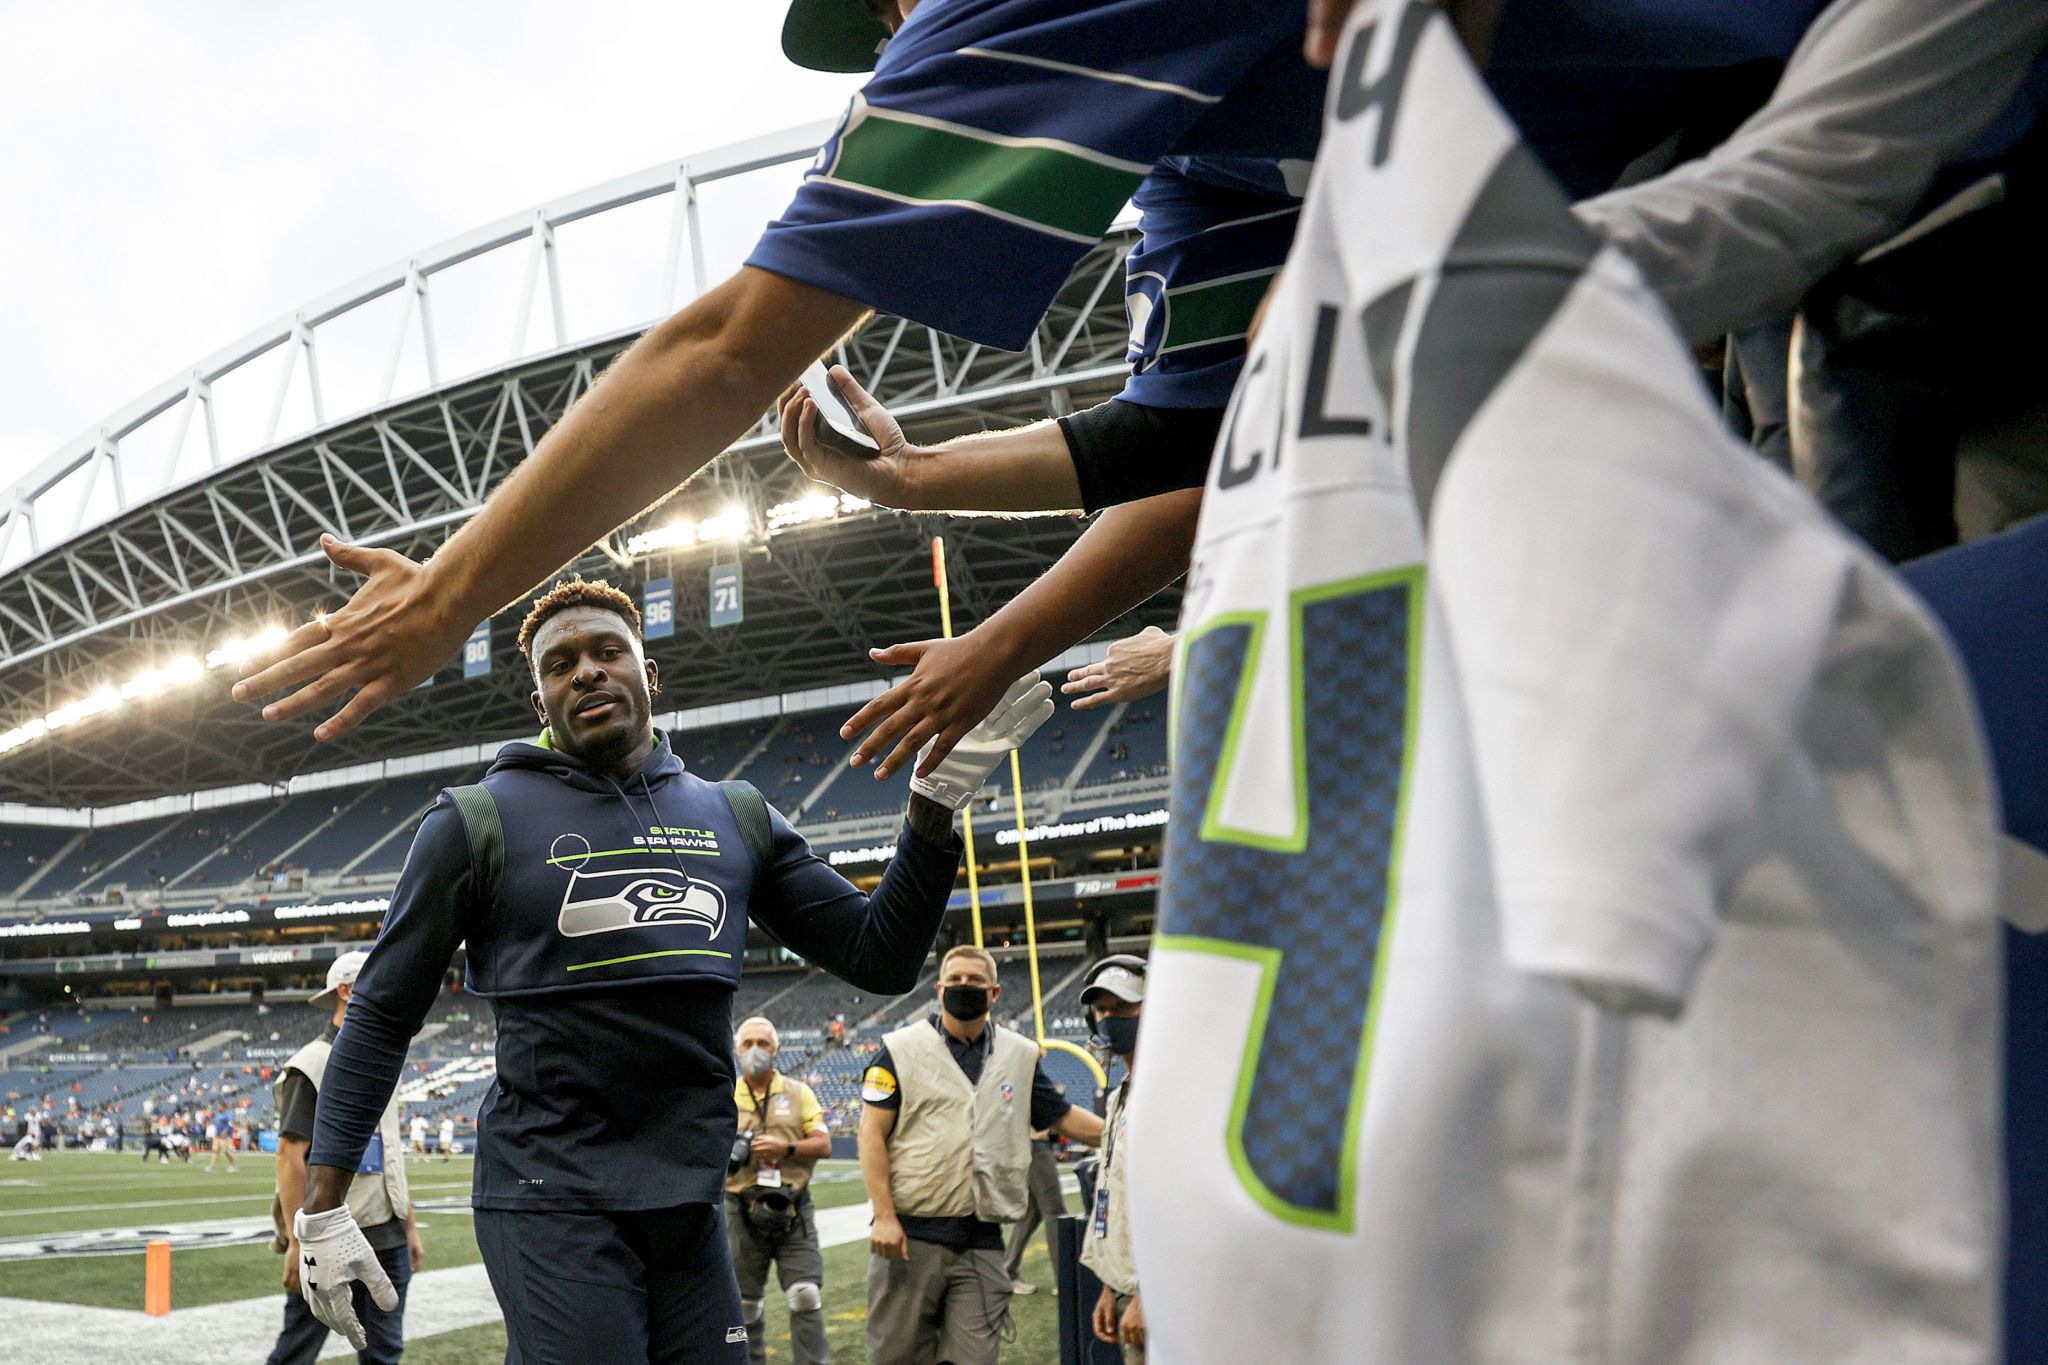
{"type": "Point", "coordinates": [333, 1256]}
{"type": "Point", "coordinates": [1136, 666]}
{"type": "Point", "coordinates": [389, 637]}
{"type": "Point", "coordinates": [954, 780]}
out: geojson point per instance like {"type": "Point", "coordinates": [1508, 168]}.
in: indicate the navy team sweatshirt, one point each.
{"type": "Point", "coordinates": [609, 955]}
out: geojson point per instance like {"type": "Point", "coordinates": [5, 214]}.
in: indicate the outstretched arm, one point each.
{"type": "Point", "coordinates": [665, 409]}
{"type": "Point", "coordinates": [1114, 452]}
{"type": "Point", "coordinates": [429, 917]}
{"type": "Point", "coordinates": [1879, 96]}
{"type": "Point", "coordinates": [1025, 469]}
{"type": "Point", "coordinates": [879, 942]}
{"type": "Point", "coordinates": [1131, 552]}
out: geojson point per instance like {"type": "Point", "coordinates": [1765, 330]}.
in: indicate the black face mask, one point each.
{"type": "Point", "coordinates": [1118, 1033]}
{"type": "Point", "coordinates": [965, 1003]}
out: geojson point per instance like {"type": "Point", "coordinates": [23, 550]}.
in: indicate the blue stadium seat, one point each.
{"type": "Point", "coordinates": [24, 849]}
{"type": "Point", "coordinates": [105, 856]}
{"type": "Point", "coordinates": [1133, 748]}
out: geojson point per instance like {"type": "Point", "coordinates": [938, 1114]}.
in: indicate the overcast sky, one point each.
{"type": "Point", "coordinates": [178, 174]}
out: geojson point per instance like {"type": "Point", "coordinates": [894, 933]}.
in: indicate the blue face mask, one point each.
{"type": "Point", "coordinates": [1118, 1033]}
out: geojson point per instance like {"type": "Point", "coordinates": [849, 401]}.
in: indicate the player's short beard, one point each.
{"type": "Point", "coordinates": [607, 748]}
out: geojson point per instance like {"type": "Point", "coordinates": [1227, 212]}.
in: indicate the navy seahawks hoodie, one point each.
{"type": "Point", "coordinates": [609, 955]}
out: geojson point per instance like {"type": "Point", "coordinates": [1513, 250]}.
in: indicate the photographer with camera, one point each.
{"type": "Point", "coordinates": [768, 1213]}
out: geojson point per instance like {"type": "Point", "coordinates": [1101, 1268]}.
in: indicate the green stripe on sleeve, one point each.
{"type": "Point", "coordinates": [1201, 313]}
{"type": "Point", "coordinates": [1041, 186]}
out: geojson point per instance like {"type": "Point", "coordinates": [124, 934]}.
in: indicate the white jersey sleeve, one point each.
{"type": "Point", "coordinates": [1637, 639]}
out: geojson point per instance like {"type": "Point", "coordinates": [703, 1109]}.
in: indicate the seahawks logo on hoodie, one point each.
{"type": "Point", "coordinates": [597, 901]}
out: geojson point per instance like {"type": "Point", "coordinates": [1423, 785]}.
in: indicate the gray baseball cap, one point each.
{"type": "Point", "coordinates": [1120, 974]}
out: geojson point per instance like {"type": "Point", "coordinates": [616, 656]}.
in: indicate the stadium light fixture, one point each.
{"type": "Point", "coordinates": [148, 683]}
{"type": "Point", "coordinates": [237, 651]}
{"type": "Point", "coordinates": [725, 526]}
{"type": "Point", "coordinates": [824, 505]}
{"type": "Point", "coordinates": [23, 734]}
{"type": "Point", "coordinates": [729, 525]}
{"type": "Point", "coordinates": [106, 699]}
{"type": "Point", "coordinates": [157, 680]}
{"type": "Point", "coordinates": [662, 538]}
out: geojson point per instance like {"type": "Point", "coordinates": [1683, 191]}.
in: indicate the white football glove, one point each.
{"type": "Point", "coordinates": [333, 1255]}
{"type": "Point", "coordinates": [1022, 710]}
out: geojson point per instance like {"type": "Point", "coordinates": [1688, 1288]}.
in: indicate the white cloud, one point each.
{"type": "Point", "coordinates": [177, 175]}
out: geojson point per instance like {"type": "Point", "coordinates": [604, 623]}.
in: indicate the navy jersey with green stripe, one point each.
{"type": "Point", "coordinates": [998, 139]}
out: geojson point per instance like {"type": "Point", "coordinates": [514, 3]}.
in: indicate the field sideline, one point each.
{"type": "Point", "coordinates": [226, 1298]}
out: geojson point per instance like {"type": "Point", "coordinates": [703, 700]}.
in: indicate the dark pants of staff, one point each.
{"type": "Point", "coordinates": [645, 1287]}
{"type": "Point", "coordinates": [799, 1261]}
{"type": "Point", "coordinates": [1047, 1205]}
{"type": "Point", "coordinates": [303, 1335]}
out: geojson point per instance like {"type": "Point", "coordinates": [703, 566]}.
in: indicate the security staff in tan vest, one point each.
{"type": "Point", "coordinates": [1113, 994]}
{"type": "Point", "coordinates": [768, 1212]}
{"type": "Point", "coordinates": [945, 1151]}
{"type": "Point", "coordinates": [377, 1196]}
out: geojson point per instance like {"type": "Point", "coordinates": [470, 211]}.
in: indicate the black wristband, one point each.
{"type": "Point", "coordinates": [1124, 451]}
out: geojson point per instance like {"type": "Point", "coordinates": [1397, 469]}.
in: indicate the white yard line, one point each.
{"type": "Point", "coordinates": [263, 1194]}
{"type": "Point", "coordinates": [42, 1333]}
{"type": "Point", "coordinates": [64, 1333]}
{"type": "Point", "coordinates": [140, 1204]}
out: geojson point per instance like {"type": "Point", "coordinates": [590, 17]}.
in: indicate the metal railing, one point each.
{"type": "Point", "coordinates": [35, 505]}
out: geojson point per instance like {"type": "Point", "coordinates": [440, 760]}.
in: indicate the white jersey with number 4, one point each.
{"type": "Point", "coordinates": [1579, 934]}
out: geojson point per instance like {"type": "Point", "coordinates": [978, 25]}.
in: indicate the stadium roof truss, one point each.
{"type": "Point", "coordinates": [178, 569]}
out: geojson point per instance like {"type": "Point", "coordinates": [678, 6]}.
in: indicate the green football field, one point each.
{"type": "Point", "coordinates": [238, 1285]}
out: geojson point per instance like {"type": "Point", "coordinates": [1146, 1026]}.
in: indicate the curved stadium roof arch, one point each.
{"type": "Point", "coordinates": [156, 539]}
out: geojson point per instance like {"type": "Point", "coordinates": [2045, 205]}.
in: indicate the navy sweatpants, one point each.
{"type": "Point", "coordinates": [652, 1287]}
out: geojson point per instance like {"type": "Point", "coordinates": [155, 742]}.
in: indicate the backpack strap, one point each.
{"type": "Point", "coordinates": [751, 810]}
{"type": "Point", "coordinates": [486, 831]}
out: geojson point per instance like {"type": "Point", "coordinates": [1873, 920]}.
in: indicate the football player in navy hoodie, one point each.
{"type": "Point", "coordinates": [603, 892]}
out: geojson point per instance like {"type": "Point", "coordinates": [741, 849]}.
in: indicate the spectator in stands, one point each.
{"type": "Point", "coordinates": [1114, 994]}
{"type": "Point", "coordinates": [769, 1216]}
{"type": "Point", "coordinates": [945, 1152]}
{"type": "Point", "coordinates": [614, 1114]}
{"type": "Point", "coordinates": [376, 1195]}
